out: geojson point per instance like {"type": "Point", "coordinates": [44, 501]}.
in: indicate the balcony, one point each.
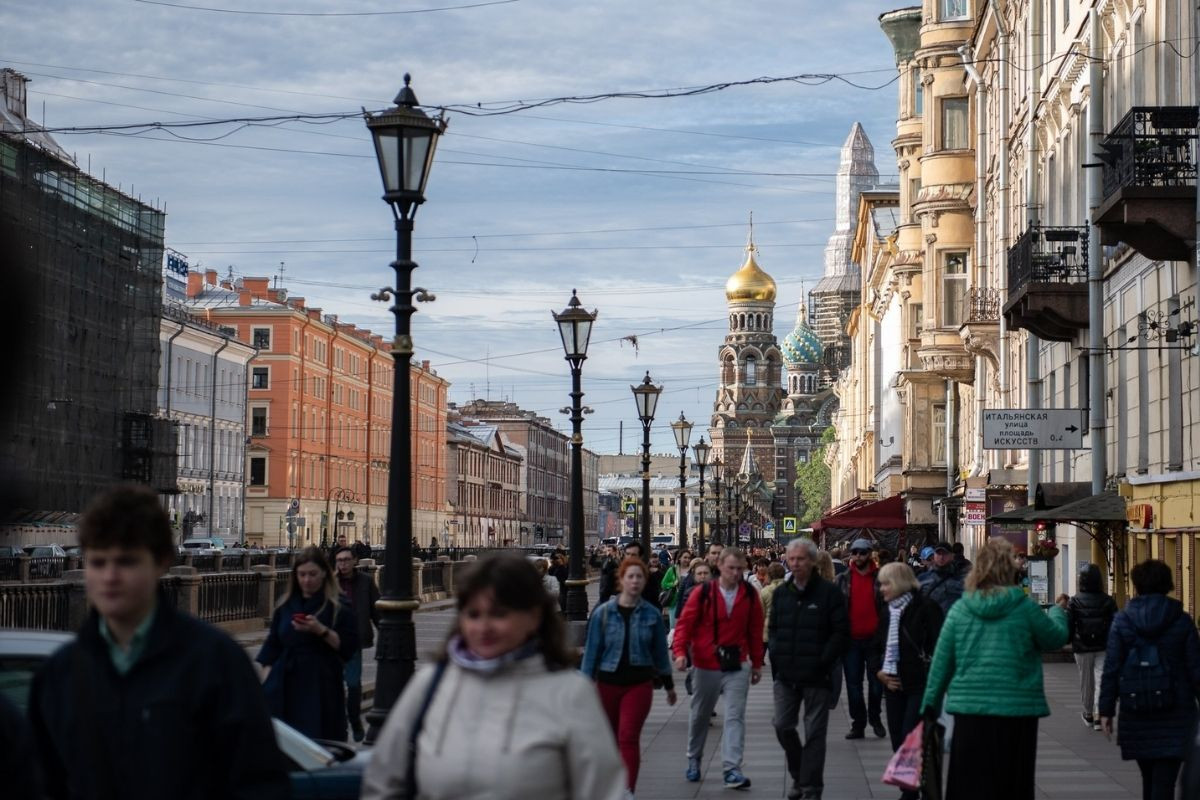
{"type": "Point", "coordinates": [1149, 178]}
{"type": "Point", "coordinates": [981, 331]}
{"type": "Point", "coordinates": [1047, 282]}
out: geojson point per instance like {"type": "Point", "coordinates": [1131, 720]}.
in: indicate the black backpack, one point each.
{"type": "Point", "coordinates": [1092, 630]}
{"type": "Point", "coordinates": [1145, 683]}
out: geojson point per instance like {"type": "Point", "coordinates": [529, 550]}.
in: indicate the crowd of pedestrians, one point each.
{"type": "Point", "coordinates": [940, 643]}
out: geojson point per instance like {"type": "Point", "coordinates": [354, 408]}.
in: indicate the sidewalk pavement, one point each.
{"type": "Point", "coordinates": [1073, 761]}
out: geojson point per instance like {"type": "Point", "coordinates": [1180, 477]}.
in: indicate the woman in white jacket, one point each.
{"type": "Point", "coordinates": [502, 714]}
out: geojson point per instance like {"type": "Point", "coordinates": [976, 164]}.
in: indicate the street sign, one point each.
{"type": "Point", "coordinates": [744, 529]}
{"type": "Point", "coordinates": [1033, 428]}
{"type": "Point", "coordinates": [789, 524]}
{"type": "Point", "coordinates": [769, 527]}
{"type": "Point", "coordinates": [629, 524]}
{"type": "Point", "coordinates": [293, 508]}
{"type": "Point", "coordinates": [629, 506]}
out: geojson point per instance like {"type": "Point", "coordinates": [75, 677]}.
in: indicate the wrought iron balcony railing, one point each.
{"type": "Point", "coordinates": [1048, 254]}
{"type": "Point", "coordinates": [983, 305]}
{"type": "Point", "coordinates": [1151, 146]}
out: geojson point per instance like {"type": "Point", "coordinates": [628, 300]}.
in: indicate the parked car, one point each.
{"type": "Point", "coordinates": [47, 561]}
{"type": "Point", "coordinates": [204, 543]}
{"type": "Point", "coordinates": [45, 551]}
{"type": "Point", "coordinates": [9, 551]}
{"type": "Point", "coordinates": [318, 769]}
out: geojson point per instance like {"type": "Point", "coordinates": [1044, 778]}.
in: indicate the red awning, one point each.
{"type": "Point", "coordinates": [887, 514]}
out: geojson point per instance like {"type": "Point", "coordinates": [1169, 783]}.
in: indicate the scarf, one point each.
{"type": "Point", "coordinates": [891, 654]}
{"type": "Point", "coordinates": [463, 657]}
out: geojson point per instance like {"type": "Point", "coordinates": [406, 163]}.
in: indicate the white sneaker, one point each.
{"type": "Point", "coordinates": [629, 794]}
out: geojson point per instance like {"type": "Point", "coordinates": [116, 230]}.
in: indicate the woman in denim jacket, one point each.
{"type": "Point", "coordinates": [626, 654]}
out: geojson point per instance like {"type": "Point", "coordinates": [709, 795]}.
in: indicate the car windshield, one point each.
{"type": "Point", "coordinates": [302, 751]}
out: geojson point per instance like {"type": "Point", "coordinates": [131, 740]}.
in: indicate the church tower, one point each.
{"type": "Point", "coordinates": [750, 392]}
{"type": "Point", "coordinates": [838, 291]}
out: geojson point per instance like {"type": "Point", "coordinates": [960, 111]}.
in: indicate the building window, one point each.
{"type": "Point", "coordinates": [258, 471]}
{"type": "Point", "coordinates": [949, 10]}
{"type": "Point", "coordinates": [918, 90]}
{"type": "Point", "coordinates": [258, 378]}
{"type": "Point", "coordinates": [751, 371]}
{"type": "Point", "coordinates": [916, 320]}
{"type": "Point", "coordinates": [258, 421]}
{"type": "Point", "coordinates": [955, 127]}
{"type": "Point", "coordinates": [262, 338]}
{"type": "Point", "coordinates": [937, 434]}
{"type": "Point", "coordinates": [954, 288]}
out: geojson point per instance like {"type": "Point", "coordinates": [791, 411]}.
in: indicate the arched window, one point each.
{"type": "Point", "coordinates": [741, 321]}
{"type": "Point", "coordinates": [751, 371]}
{"type": "Point", "coordinates": [727, 372]}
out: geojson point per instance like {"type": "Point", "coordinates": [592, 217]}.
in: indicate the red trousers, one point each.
{"type": "Point", "coordinates": [627, 708]}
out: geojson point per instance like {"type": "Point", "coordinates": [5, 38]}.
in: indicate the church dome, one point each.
{"type": "Point", "coordinates": [750, 283]}
{"type": "Point", "coordinates": [802, 346]}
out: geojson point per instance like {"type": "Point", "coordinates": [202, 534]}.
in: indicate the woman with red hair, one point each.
{"type": "Point", "coordinates": [626, 654]}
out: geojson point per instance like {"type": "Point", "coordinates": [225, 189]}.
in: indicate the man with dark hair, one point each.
{"type": "Point", "coordinates": [608, 575]}
{"type": "Point", "coordinates": [864, 605]}
{"type": "Point", "coordinates": [944, 582]}
{"type": "Point", "coordinates": [125, 707]}
{"type": "Point", "coordinates": [654, 574]}
{"type": "Point", "coordinates": [359, 593]}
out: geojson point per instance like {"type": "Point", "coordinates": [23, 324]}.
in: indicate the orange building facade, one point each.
{"type": "Point", "coordinates": [319, 418]}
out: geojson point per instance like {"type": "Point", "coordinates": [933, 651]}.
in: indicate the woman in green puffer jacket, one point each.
{"type": "Point", "coordinates": [988, 668]}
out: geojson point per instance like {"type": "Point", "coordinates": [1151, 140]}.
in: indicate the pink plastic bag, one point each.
{"type": "Point", "coordinates": [904, 770]}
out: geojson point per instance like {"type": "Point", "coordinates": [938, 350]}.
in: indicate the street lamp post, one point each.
{"type": "Point", "coordinates": [683, 435]}
{"type": "Point", "coordinates": [731, 525]}
{"type": "Point", "coordinates": [716, 498]}
{"type": "Point", "coordinates": [405, 139]}
{"type": "Point", "coordinates": [575, 328]}
{"type": "Point", "coordinates": [702, 449]}
{"type": "Point", "coordinates": [646, 395]}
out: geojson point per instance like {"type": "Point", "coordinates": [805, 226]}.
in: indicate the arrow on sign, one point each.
{"type": "Point", "coordinates": [1073, 428]}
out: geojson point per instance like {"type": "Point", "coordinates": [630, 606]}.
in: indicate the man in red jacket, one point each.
{"type": "Point", "coordinates": [722, 624]}
{"type": "Point", "coordinates": [860, 586]}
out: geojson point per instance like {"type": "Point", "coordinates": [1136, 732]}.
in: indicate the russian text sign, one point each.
{"type": "Point", "coordinates": [1033, 428]}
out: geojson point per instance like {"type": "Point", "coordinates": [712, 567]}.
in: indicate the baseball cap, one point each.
{"type": "Point", "coordinates": [926, 553]}
{"type": "Point", "coordinates": [861, 544]}
{"type": "Point", "coordinates": [944, 545]}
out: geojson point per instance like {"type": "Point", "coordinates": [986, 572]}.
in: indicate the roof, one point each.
{"type": "Point", "coordinates": [1050, 498]}
{"type": "Point", "coordinates": [660, 483]}
{"type": "Point", "coordinates": [1103, 507]}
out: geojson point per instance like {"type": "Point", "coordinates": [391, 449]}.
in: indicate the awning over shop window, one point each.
{"type": "Point", "coordinates": [1048, 496]}
{"type": "Point", "coordinates": [887, 514]}
{"type": "Point", "coordinates": [1103, 507]}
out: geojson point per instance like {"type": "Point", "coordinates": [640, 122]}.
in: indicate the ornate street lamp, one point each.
{"type": "Point", "coordinates": [731, 527]}
{"type": "Point", "coordinates": [575, 328]}
{"type": "Point", "coordinates": [646, 395]}
{"type": "Point", "coordinates": [405, 139]}
{"type": "Point", "coordinates": [683, 436]}
{"type": "Point", "coordinates": [717, 465]}
{"type": "Point", "coordinates": [702, 449]}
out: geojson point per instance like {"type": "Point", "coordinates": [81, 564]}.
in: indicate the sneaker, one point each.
{"type": "Point", "coordinates": [1087, 718]}
{"type": "Point", "coordinates": [1096, 726]}
{"type": "Point", "coordinates": [878, 729]}
{"type": "Point", "coordinates": [855, 733]}
{"type": "Point", "coordinates": [693, 770]}
{"type": "Point", "coordinates": [357, 732]}
{"type": "Point", "coordinates": [629, 794]}
{"type": "Point", "coordinates": [734, 779]}
{"type": "Point", "coordinates": [795, 792]}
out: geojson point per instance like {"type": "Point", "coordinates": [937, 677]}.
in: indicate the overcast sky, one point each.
{"type": "Point", "coordinates": [521, 207]}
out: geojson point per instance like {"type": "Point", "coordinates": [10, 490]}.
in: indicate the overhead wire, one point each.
{"type": "Point", "coordinates": [251, 12]}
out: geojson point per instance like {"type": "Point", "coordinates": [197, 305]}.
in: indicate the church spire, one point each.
{"type": "Point", "coordinates": [749, 467]}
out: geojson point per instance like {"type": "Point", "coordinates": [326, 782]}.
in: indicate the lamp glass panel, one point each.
{"type": "Point", "coordinates": [388, 152]}
{"type": "Point", "coordinates": [583, 335]}
{"type": "Point", "coordinates": [566, 329]}
{"type": "Point", "coordinates": [415, 158]}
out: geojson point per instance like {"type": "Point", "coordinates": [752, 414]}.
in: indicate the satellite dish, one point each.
{"type": "Point", "coordinates": [281, 294]}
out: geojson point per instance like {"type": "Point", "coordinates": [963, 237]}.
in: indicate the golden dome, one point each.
{"type": "Point", "coordinates": [750, 283]}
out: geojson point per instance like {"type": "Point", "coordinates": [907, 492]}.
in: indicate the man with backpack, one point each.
{"type": "Point", "coordinates": [1089, 616]}
{"type": "Point", "coordinates": [722, 624]}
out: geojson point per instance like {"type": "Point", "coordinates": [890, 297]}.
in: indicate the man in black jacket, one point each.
{"type": "Point", "coordinates": [1089, 616]}
{"type": "Point", "coordinates": [807, 632]}
{"type": "Point", "coordinates": [132, 705]}
{"type": "Point", "coordinates": [360, 594]}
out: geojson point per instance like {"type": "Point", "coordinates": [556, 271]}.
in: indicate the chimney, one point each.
{"type": "Point", "coordinates": [210, 277]}
{"type": "Point", "coordinates": [258, 287]}
{"type": "Point", "coordinates": [195, 284]}
{"type": "Point", "coordinates": [245, 297]}
{"type": "Point", "coordinates": [425, 365]}
{"type": "Point", "coordinates": [296, 303]}
{"type": "Point", "coordinates": [12, 84]}
{"type": "Point", "coordinates": [314, 313]}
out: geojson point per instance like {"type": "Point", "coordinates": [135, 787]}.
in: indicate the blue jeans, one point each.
{"type": "Point", "coordinates": [855, 665]}
{"type": "Point", "coordinates": [352, 670]}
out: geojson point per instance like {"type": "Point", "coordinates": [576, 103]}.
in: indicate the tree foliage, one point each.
{"type": "Point", "coordinates": [812, 482]}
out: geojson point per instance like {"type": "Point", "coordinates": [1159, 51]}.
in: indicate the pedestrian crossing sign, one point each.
{"type": "Point", "coordinates": [629, 506]}
{"type": "Point", "coordinates": [789, 524]}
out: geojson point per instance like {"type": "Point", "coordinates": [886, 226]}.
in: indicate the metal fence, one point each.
{"type": "Point", "coordinates": [228, 596]}
{"type": "Point", "coordinates": [260, 559]}
{"type": "Point", "coordinates": [206, 563]}
{"type": "Point", "coordinates": [10, 568]}
{"type": "Point", "coordinates": [433, 577]}
{"type": "Point", "coordinates": [983, 305]}
{"type": "Point", "coordinates": [42, 607]}
{"type": "Point", "coordinates": [1151, 146]}
{"type": "Point", "coordinates": [283, 582]}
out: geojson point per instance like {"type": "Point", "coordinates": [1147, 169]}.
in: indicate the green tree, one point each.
{"type": "Point", "coordinates": [812, 482]}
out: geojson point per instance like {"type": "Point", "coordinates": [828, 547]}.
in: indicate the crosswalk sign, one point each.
{"type": "Point", "coordinates": [629, 506]}
{"type": "Point", "coordinates": [789, 524]}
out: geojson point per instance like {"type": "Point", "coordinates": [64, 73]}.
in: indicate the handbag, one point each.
{"type": "Point", "coordinates": [904, 769]}
{"type": "Point", "coordinates": [410, 783]}
{"type": "Point", "coordinates": [932, 751]}
{"type": "Point", "coordinates": [729, 656]}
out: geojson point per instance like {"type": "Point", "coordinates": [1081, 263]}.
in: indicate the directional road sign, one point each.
{"type": "Point", "coordinates": [789, 524]}
{"type": "Point", "coordinates": [769, 527]}
{"type": "Point", "coordinates": [1033, 428]}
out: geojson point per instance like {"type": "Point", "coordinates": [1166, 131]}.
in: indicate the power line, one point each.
{"type": "Point", "coordinates": [323, 13]}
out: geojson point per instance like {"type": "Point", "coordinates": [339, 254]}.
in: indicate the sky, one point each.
{"type": "Point", "coordinates": [640, 204]}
